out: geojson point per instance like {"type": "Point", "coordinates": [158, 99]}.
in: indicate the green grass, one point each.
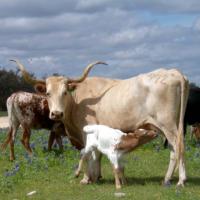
{"type": "Point", "coordinates": [3, 113]}
{"type": "Point", "coordinates": [50, 174]}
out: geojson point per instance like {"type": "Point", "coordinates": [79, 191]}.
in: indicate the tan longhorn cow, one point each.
{"type": "Point", "coordinates": [158, 98]}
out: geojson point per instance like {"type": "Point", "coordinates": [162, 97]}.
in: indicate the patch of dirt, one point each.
{"type": "Point", "coordinates": [3, 122]}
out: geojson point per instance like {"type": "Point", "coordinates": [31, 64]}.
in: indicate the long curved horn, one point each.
{"type": "Point", "coordinates": [27, 77]}
{"type": "Point", "coordinates": [85, 72]}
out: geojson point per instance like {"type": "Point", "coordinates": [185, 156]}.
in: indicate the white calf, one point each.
{"type": "Point", "coordinates": [114, 144]}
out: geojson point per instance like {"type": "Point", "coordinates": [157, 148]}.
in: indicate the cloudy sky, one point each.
{"type": "Point", "coordinates": [132, 36]}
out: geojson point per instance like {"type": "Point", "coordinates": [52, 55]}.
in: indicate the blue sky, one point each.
{"type": "Point", "coordinates": [186, 20]}
{"type": "Point", "coordinates": [132, 36]}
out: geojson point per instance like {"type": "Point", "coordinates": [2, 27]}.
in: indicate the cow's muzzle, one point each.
{"type": "Point", "coordinates": [56, 115]}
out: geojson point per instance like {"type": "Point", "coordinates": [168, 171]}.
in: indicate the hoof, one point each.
{"type": "Point", "coordinates": [85, 182]}
{"type": "Point", "coordinates": [12, 159]}
{"type": "Point", "coordinates": [3, 147]}
{"type": "Point", "coordinates": [99, 178]}
{"type": "Point", "coordinates": [180, 184]}
{"type": "Point", "coordinates": [118, 187]}
{"type": "Point", "coordinates": [119, 194]}
{"type": "Point", "coordinates": [76, 174]}
{"type": "Point", "coordinates": [30, 153]}
{"type": "Point", "coordinates": [167, 184]}
{"type": "Point", "coordinates": [124, 181]}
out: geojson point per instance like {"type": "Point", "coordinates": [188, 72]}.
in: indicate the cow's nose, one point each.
{"type": "Point", "coordinates": [56, 115]}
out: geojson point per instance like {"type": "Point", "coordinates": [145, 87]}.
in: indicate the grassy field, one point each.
{"type": "Point", "coordinates": [50, 174]}
{"type": "Point", "coordinates": [3, 113]}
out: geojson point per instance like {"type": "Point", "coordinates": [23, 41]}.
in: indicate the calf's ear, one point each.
{"type": "Point", "coordinates": [40, 88]}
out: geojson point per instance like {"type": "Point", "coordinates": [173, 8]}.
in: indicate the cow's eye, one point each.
{"type": "Point", "coordinates": [48, 94]}
{"type": "Point", "coordinates": [65, 93]}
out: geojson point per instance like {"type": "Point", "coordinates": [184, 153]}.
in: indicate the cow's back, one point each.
{"type": "Point", "coordinates": [126, 104]}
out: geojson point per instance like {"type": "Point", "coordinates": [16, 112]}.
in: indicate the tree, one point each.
{"type": "Point", "coordinates": [11, 82]}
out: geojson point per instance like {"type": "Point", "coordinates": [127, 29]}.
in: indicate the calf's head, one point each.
{"type": "Point", "coordinates": [58, 89]}
{"type": "Point", "coordinates": [133, 140]}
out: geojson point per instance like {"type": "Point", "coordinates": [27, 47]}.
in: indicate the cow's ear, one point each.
{"type": "Point", "coordinates": [71, 87]}
{"type": "Point", "coordinates": [40, 88]}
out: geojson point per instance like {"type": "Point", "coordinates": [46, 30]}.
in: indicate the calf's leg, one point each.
{"type": "Point", "coordinates": [7, 141]}
{"type": "Point", "coordinates": [122, 177]}
{"type": "Point", "coordinates": [117, 174]}
{"type": "Point", "coordinates": [59, 142]}
{"type": "Point", "coordinates": [25, 140]}
{"type": "Point", "coordinates": [12, 140]}
{"type": "Point", "coordinates": [51, 140]}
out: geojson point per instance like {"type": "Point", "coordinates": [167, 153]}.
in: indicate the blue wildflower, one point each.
{"type": "Point", "coordinates": [157, 148]}
{"type": "Point", "coordinates": [44, 148]}
{"type": "Point", "coordinates": [187, 148]}
{"type": "Point", "coordinates": [135, 158]}
{"type": "Point", "coordinates": [197, 155]}
{"type": "Point", "coordinates": [198, 145]}
{"type": "Point", "coordinates": [32, 145]}
{"type": "Point", "coordinates": [16, 167]}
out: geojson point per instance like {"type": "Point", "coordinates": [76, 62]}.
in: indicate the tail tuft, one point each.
{"type": "Point", "coordinates": [89, 129]}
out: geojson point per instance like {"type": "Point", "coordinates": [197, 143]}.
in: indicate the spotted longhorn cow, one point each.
{"type": "Point", "coordinates": [31, 111]}
{"type": "Point", "coordinates": [158, 98]}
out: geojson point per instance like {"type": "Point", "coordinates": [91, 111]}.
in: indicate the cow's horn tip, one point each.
{"type": "Point", "coordinates": [12, 60]}
{"type": "Point", "coordinates": [103, 63]}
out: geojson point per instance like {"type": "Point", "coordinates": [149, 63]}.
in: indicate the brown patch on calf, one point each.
{"type": "Point", "coordinates": [132, 140]}
{"type": "Point", "coordinates": [36, 109]}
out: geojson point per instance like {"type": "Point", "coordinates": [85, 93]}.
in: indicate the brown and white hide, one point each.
{"type": "Point", "coordinates": [31, 112]}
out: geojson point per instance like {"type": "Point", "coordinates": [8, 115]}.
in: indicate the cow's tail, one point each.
{"type": "Point", "coordinates": [183, 104]}
{"type": "Point", "coordinates": [10, 108]}
{"type": "Point", "coordinates": [9, 104]}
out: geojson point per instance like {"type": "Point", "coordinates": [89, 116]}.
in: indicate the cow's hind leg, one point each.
{"type": "Point", "coordinates": [182, 173]}
{"type": "Point", "coordinates": [172, 135]}
{"type": "Point", "coordinates": [171, 167]}
{"type": "Point", "coordinates": [175, 159]}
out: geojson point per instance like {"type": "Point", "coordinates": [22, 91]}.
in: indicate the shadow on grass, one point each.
{"type": "Point", "coordinates": [134, 180]}
{"type": "Point", "coordinates": [151, 180]}
{"type": "Point", "coordinates": [56, 152]}
{"type": "Point", "coordinates": [193, 181]}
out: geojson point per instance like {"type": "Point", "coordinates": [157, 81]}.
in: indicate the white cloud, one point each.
{"type": "Point", "coordinates": [196, 24]}
{"type": "Point", "coordinates": [65, 36]}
